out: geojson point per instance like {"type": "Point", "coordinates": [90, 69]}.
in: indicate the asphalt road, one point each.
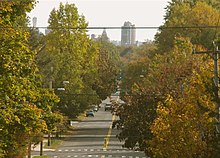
{"type": "Point", "coordinates": [93, 137]}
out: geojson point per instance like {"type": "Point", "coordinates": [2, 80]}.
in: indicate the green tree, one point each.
{"type": "Point", "coordinates": [69, 55]}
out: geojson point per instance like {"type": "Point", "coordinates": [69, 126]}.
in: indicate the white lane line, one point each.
{"type": "Point", "coordinates": [89, 155]}
{"type": "Point", "coordinates": [68, 156]}
{"type": "Point", "coordinates": [66, 150]}
{"type": "Point", "coordinates": [72, 150]}
{"type": "Point", "coordinates": [79, 150]}
{"type": "Point", "coordinates": [76, 156]}
{"type": "Point", "coordinates": [59, 150]}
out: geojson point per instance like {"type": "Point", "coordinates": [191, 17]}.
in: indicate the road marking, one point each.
{"type": "Point", "coordinates": [106, 140]}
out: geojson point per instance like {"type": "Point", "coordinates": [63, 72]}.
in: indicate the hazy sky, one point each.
{"type": "Point", "coordinates": [103, 13]}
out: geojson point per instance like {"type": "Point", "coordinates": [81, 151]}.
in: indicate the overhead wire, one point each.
{"type": "Point", "coordinates": [122, 27]}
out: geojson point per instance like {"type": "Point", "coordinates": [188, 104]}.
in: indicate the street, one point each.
{"type": "Point", "coordinates": [93, 137]}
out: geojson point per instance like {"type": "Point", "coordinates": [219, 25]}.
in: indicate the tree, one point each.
{"type": "Point", "coordinates": [147, 116]}
{"type": "Point", "coordinates": [179, 15]}
{"type": "Point", "coordinates": [21, 101]}
{"type": "Point", "coordinates": [107, 68]}
{"type": "Point", "coordinates": [69, 55]}
{"type": "Point", "coordinates": [137, 112]}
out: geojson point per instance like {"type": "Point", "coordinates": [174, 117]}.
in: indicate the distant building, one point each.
{"type": "Point", "coordinates": [47, 31]}
{"type": "Point", "coordinates": [104, 36]}
{"type": "Point", "coordinates": [93, 36]}
{"type": "Point", "coordinates": [128, 34]}
{"type": "Point", "coordinates": [34, 22]}
{"type": "Point", "coordinates": [115, 42]}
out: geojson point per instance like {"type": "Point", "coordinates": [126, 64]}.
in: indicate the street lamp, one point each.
{"type": "Point", "coordinates": [61, 89]}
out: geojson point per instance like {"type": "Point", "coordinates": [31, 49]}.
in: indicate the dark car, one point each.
{"type": "Point", "coordinates": [108, 106]}
{"type": "Point", "coordinates": [90, 113]}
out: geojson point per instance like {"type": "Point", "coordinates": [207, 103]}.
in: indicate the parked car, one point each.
{"type": "Point", "coordinates": [90, 113]}
{"type": "Point", "coordinates": [108, 106]}
{"type": "Point", "coordinates": [102, 104]}
{"type": "Point", "coordinates": [95, 109]}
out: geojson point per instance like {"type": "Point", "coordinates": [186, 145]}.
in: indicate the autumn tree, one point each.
{"type": "Point", "coordinates": [107, 67]}
{"type": "Point", "coordinates": [179, 14]}
{"type": "Point", "coordinates": [135, 64]}
{"type": "Point", "coordinates": [191, 130]}
{"type": "Point", "coordinates": [137, 112]}
{"type": "Point", "coordinates": [143, 120]}
{"type": "Point", "coordinates": [22, 104]}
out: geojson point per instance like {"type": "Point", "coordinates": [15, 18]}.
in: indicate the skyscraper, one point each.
{"type": "Point", "coordinates": [128, 34]}
{"type": "Point", "coordinates": [34, 22]}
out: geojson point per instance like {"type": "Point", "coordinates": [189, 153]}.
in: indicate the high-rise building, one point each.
{"type": "Point", "coordinates": [34, 22]}
{"type": "Point", "coordinates": [128, 34]}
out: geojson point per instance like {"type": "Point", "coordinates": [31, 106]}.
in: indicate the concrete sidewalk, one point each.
{"type": "Point", "coordinates": [37, 147]}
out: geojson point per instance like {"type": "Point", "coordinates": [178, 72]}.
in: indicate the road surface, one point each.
{"type": "Point", "coordinates": [93, 137]}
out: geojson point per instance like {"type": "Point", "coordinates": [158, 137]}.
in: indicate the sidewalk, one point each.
{"type": "Point", "coordinates": [37, 147]}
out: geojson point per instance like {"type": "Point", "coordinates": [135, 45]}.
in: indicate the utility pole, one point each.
{"type": "Point", "coordinates": [216, 78]}
{"type": "Point", "coordinates": [215, 56]}
{"type": "Point", "coordinates": [50, 87]}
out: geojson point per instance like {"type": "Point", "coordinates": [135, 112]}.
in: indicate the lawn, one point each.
{"type": "Point", "coordinates": [54, 144]}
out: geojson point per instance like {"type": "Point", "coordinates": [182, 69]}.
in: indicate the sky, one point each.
{"type": "Point", "coordinates": [110, 13]}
